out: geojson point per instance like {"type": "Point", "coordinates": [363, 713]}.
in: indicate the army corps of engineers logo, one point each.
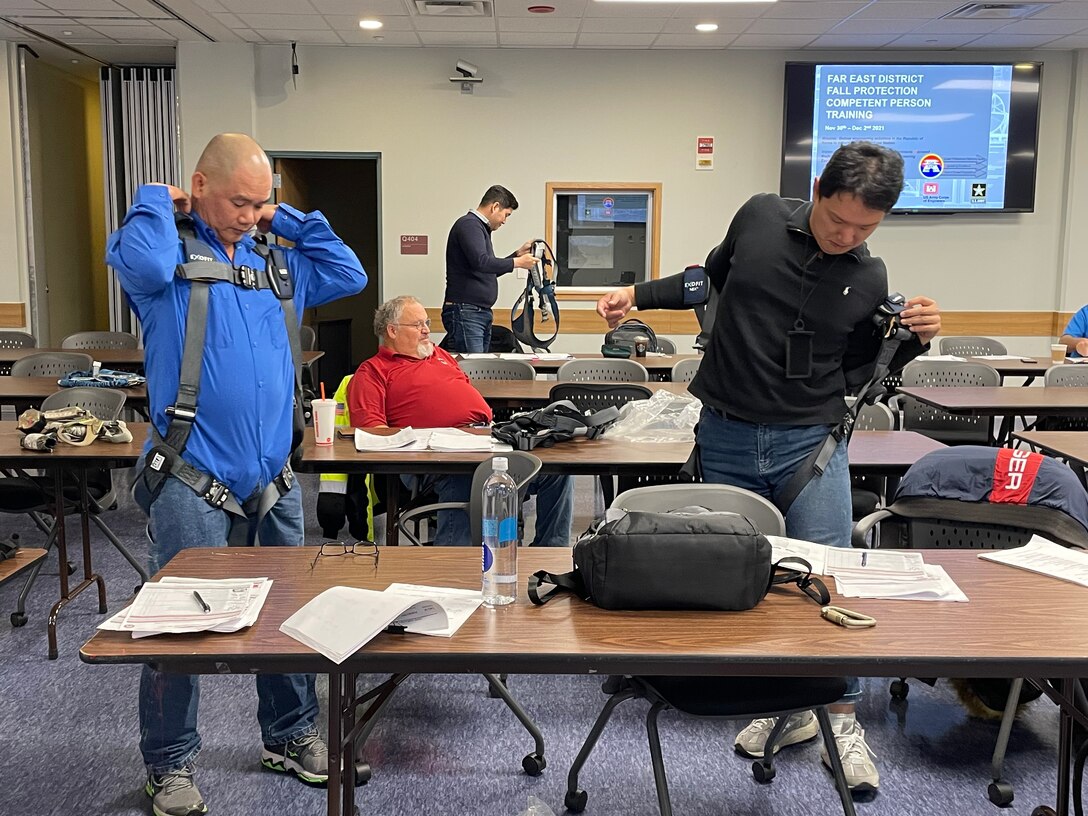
{"type": "Point", "coordinates": [930, 166]}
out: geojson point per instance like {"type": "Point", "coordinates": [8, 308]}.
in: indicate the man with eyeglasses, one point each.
{"type": "Point", "coordinates": [473, 271]}
{"type": "Point", "coordinates": [410, 381]}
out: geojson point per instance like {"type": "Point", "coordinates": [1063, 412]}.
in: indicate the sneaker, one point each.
{"type": "Point", "coordinates": [857, 757]}
{"type": "Point", "coordinates": [800, 727]}
{"type": "Point", "coordinates": [307, 757]}
{"type": "Point", "coordinates": [174, 793]}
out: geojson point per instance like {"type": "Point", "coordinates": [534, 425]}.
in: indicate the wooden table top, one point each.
{"type": "Point", "coordinates": [1018, 367]}
{"type": "Point", "coordinates": [1009, 627]}
{"type": "Point", "coordinates": [655, 364]}
{"type": "Point", "coordinates": [100, 453]}
{"type": "Point", "coordinates": [35, 389]}
{"type": "Point", "coordinates": [24, 559]}
{"type": "Point", "coordinates": [873, 452]}
{"type": "Point", "coordinates": [1003, 400]}
{"type": "Point", "coordinates": [110, 358]}
{"type": "Point", "coordinates": [1066, 444]}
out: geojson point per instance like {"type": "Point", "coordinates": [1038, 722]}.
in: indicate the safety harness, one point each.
{"type": "Point", "coordinates": [559, 422]}
{"type": "Point", "coordinates": [164, 459]}
{"type": "Point", "coordinates": [539, 283]}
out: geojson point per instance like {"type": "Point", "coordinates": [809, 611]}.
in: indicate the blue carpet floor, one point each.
{"type": "Point", "coordinates": [445, 748]}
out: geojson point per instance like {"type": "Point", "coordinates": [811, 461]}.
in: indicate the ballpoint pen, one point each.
{"type": "Point", "coordinates": [201, 601]}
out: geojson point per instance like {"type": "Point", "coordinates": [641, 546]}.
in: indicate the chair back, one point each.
{"type": "Point", "coordinates": [685, 370]}
{"type": "Point", "coordinates": [876, 417]}
{"type": "Point", "coordinates": [522, 467]}
{"type": "Point", "coordinates": [764, 516]}
{"type": "Point", "coordinates": [602, 370]}
{"type": "Point", "coordinates": [972, 346]}
{"type": "Point", "coordinates": [494, 369]}
{"type": "Point", "coordinates": [307, 338]}
{"type": "Point", "coordinates": [51, 364]}
{"type": "Point", "coordinates": [104, 403]}
{"type": "Point", "coordinates": [592, 397]}
{"type": "Point", "coordinates": [16, 339]}
{"type": "Point", "coordinates": [100, 340]}
{"type": "Point", "coordinates": [1065, 376]}
{"type": "Point", "coordinates": [666, 346]}
{"type": "Point", "coordinates": [938, 424]}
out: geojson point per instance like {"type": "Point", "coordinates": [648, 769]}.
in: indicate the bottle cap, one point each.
{"type": "Point", "coordinates": [499, 464]}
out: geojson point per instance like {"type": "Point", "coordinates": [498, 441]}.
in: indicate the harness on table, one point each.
{"type": "Point", "coordinates": [202, 271]}
{"type": "Point", "coordinates": [539, 283]}
{"type": "Point", "coordinates": [559, 422]}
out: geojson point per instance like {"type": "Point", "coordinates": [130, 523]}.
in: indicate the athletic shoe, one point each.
{"type": "Point", "coordinates": [307, 757]}
{"type": "Point", "coordinates": [801, 727]}
{"type": "Point", "coordinates": [174, 793]}
{"type": "Point", "coordinates": [857, 757]}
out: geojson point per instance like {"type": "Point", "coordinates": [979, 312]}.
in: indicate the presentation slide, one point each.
{"type": "Point", "coordinates": [949, 122]}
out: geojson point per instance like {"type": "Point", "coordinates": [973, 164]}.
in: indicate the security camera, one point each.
{"type": "Point", "coordinates": [468, 76]}
{"type": "Point", "coordinates": [467, 69]}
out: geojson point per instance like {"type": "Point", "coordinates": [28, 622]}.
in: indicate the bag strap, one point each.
{"type": "Point", "coordinates": [562, 582]}
{"type": "Point", "coordinates": [802, 576]}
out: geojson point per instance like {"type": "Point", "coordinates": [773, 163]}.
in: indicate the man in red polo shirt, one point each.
{"type": "Point", "coordinates": [410, 381]}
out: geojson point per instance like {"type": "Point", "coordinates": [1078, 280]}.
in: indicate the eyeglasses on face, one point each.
{"type": "Point", "coordinates": [419, 325]}
{"type": "Point", "coordinates": [367, 549]}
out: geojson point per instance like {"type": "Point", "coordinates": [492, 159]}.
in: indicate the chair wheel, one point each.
{"type": "Point", "coordinates": [1000, 793]}
{"type": "Point", "coordinates": [362, 773]}
{"type": "Point", "coordinates": [1044, 810]}
{"type": "Point", "coordinates": [18, 619]}
{"type": "Point", "coordinates": [534, 764]}
{"type": "Point", "coordinates": [575, 800]}
{"type": "Point", "coordinates": [763, 774]}
{"type": "Point", "coordinates": [899, 689]}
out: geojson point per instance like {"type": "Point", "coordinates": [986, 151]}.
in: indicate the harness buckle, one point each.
{"type": "Point", "coordinates": [247, 277]}
{"type": "Point", "coordinates": [177, 411]}
{"type": "Point", "coordinates": [217, 494]}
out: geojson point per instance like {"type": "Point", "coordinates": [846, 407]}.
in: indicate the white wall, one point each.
{"type": "Point", "coordinates": [13, 270]}
{"type": "Point", "coordinates": [571, 115]}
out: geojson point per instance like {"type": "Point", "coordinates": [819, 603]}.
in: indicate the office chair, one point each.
{"type": "Point", "coordinates": [951, 429]}
{"type": "Point", "coordinates": [868, 493]}
{"type": "Point", "coordinates": [34, 495]}
{"type": "Point", "coordinates": [972, 346]}
{"type": "Point", "coordinates": [933, 511]}
{"type": "Point", "coordinates": [725, 698]}
{"type": "Point", "coordinates": [685, 370]}
{"type": "Point", "coordinates": [17, 339]}
{"type": "Point", "coordinates": [1065, 376]}
{"type": "Point", "coordinates": [495, 369]}
{"type": "Point", "coordinates": [666, 346]}
{"type": "Point", "coordinates": [51, 364]}
{"type": "Point", "coordinates": [602, 370]}
{"type": "Point", "coordinates": [522, 468]}
{"type": "Point", "coordinates": [100, 340]}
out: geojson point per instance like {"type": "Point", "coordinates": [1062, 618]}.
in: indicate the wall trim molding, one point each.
{"type": "Point", "coordinates": [12, 315]}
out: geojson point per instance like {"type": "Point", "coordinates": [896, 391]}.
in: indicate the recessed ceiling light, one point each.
{"type": "Point", "coordinates": [67, 33]}
{"type": "Point", "coordinates": [378, 38]}
{"type": "Point", "coordinates": [540, 9]}
{"type": "Point", "coordinates": [75, 62]}
{"type": "Point", "coordinates": [706, 27]}
{"type": "Point", "coordinates": [688, 1]}
{"type": "Point", "coordinates": [370, 25]}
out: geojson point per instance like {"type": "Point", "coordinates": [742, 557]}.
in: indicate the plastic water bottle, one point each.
{"type": "Point", "coordinates": [500, 529]}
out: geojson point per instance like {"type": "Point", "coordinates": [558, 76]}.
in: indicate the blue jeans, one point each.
{"type": "Point", "coordinates": [286, 703]}
{"type": "Point", "coordinates": [554, 509]}
{"type": "Point", "coordinates": [468, 328]}
{"type": "Point", "coordinates": [762, 458]}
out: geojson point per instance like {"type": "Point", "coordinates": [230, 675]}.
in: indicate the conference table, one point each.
{"type": "Point", "coordinates": [1008, 628]}
{"type": "Point", "coordinates": [537, 393]}
{"type": "Point", "coordinates": [656, 364]}
{"type": "Point", "coordinates": [872, 453]}
{"type": "Point", "coordinates": [117, 359]}
{"type": "Point", "coordinates": [76, 461]}
{"type": "Point", "coordinates": [35, 389]}
{"type": "Point", "coordinates": [1069, 445]}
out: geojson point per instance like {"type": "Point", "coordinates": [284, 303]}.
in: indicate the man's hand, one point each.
{"type": "Point", "coordinates": [1082, 347]}
{"type": "Point", "coordinates": [614, 306]}
{"type": "Point", "coordinates": [181, 199]}
{"type": "Point", "coordinates": [524, 262]}
{"type": "Point", "coordinates": [264, 222]}
{"type": "Point", "coordinates": [524, 249]}
{"type": "Point", "coordinates": [923, 317]}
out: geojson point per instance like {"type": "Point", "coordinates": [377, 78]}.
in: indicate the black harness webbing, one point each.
{"type": "Point", "coordinates": [164, 459]}
{"type": "Point", "coordinates": [538, 283]}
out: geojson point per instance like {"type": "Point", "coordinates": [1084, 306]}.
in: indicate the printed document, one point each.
{"type": "Point", "coordinates": [176, 605]}
{"type": "Point", "coordinates": [1046, 558]}
{"type": "Point", "coordinates": [423, 439]}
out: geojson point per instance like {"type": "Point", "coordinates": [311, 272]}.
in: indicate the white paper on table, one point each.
{"type": "Point", "coordinates": [552, 355]}
{"type": "Point", "coordinates": [839, 558]}
{"type": "Point", "coordinates": [949, 357]}
{"type": "Point", "coordinates": [456, 439]}
{"type": "Point", "coordinates": [477, 355]}
{"type": "Point", "coordinates": [516, 355]}
{"type": "Point", "coordinates": [1044, 557]}
{"type": "Point", "coordinates": [459, 605]}
{"type": "Point", "coordinates": [339, 621]}
{"type": "Point", "coordinates": [366, 441]}
{"type": "Point", "coordinates": [996, 356]}
{"type": "Point", "coordinates": [934, 584]}
{"type": "Point", "coordinates": [815, 554]}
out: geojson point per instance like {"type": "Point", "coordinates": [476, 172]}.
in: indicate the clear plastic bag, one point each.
{"type": "Point", "coordinates": [665, 417]}
{"type": "Point", "coordinates": [537, 808]}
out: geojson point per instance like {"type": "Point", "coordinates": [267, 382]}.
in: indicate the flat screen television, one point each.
{"type": "Point", "coordinates": [967, 132]}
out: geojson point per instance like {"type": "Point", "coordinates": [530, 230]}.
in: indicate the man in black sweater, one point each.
{"type": "Point", "coordinates": [472, 271]}
{"type": "Point", "coordinates": [792, 335]}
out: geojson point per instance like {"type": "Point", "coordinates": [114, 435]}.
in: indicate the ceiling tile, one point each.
{"type": "Point", "coordinates": [306, 35]}
{"type": "Point", "coordinates": [181, 31]}
{"type": "Point", "coordinates": [229, 20]}
{"type": "Point", "coordinates": [23, 7]}
{"type": "Point", "coordinates": [694, 40]}
{"type": "Point", "coordinates": [622, 25]}
{"type": "Point", "coordinates": [1067, 10]}
{"type": "Point", "coordinates": [212, 5]}
{"type": "Point", "coordinates": [269, 6]}
{"type": "Point", "coordinates": [809, 9]}
{"type": "Point", "coordinates": [686, 25]}
{"type": "Point", "coordinates": [369, 38]}
{"type": "Point", "coordinates": [736, 11]}
{"type": "Point", "coordinates": [595, 9]}
{"type": "Point", "coordinates": [145, 9]}
{"type": "Point", "coordinates": [459, 38]}
{"type": "Point", "coordinates": [959, 26]}
{"type": "Point", "coordinates": [933, 40]}
{"type": "Point", "coordinates": [454, 24]}
{"type": "Point", "coordinates": [298, 22]}
{"type": "Point", "coordinates": [852, 40]}
{"type": "Point", "coordinates": [857, 26]}
{"type": "Point", "coordinates": [596, 39]}
{"type": "Point", "coordinates": [145, 33]}
{"type": "Point", "coordinates": [1076, 41]}
{"type": "Point", "coordinates": [765, 26]}
{"type": "Point", "coordinates": [74, 31]}
{"type": "Point", "coordinates": [544, 25]}
{"type": "Point", "coordinates": [908, 9]}
{"type": "Point", "coordinates": [1013, 40]}
{"type": "Point", "coordinates": [519, 8]}
{"type": "Point", "coordinates": [85, 5]}
{"type": "Point", "coordinates": [360, 8]}
{"type": "Point", "coordinates": [773, 40]}
{"type": "Point", "coordinates": [523, 39]}
{"type": "Point", "coordinates": [338, 22]}
{"type": "Point", "coordinates": [1059, 28]}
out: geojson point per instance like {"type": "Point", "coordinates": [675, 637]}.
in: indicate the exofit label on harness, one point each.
{"type": "Point", "coordinates": [1014, 476]}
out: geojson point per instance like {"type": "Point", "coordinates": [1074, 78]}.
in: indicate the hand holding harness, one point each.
{"type": "Point", "coordinates": [541, 282]}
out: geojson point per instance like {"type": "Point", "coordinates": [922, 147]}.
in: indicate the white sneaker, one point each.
{"type": "Point", "coordinates": [752, 739]}
{"type": "Point", "coordinates": [856, 755]}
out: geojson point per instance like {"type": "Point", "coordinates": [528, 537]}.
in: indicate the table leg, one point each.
{"type": "Point", "coordinates": [335, 745]}
{"type": "Point", "coordinates": [347, 715]}
{"type": "Point", "coordinates": [1065, 746]}
{"type": "Point", "coordinates": [392, 493]}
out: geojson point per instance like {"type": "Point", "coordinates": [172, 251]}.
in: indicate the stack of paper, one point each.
{"type": "Point", "coordinates": [403, 438]}
{"type": "Point", "coordinates": [175, 605]}
{"type": "Point", "coordinates": [437, 439]}
{"type": "Point", "coordinates": [339, 621]}
{"type": "Point", "coordinates": [1046, 558]}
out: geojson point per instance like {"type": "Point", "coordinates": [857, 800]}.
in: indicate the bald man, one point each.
{"type": "Point", "coordinates": [216, 465]}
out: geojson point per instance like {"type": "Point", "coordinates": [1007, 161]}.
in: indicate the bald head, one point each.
{"type": "Point", "coordinates": [232, 182]}
{"type": "Point", "coordinates": [228, 152]}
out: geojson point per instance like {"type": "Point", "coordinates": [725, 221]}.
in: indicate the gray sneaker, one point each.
{"type": "Point", "coordinates": [174, 793]}
{"type": "Point", "coordinates": [306, 757]}
{"type": "Point", "coordinates": [857, 758]}
{"type": "Point", "coordinates": [800, 727]}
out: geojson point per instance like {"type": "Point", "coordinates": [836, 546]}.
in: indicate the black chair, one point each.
{"type": "Point", "coordinates": [47, 364]}
{"type": "Point", "coordinates": [17, 339]}
{"type": "Point", "coordinates": [952, 429]}
{"type": "Point", "coordinates": [726, 698]}
{"type": "Point", "coordinates": [1065, 376]}
{"type": "Point", "coordinates": [100, 340]}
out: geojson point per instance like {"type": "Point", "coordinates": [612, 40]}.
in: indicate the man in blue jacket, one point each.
{"type": "Point", "coordinates": [472, 271]}
{"type": "Point", "coordinates": [222, 406]}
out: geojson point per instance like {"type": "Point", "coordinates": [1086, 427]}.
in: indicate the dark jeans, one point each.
{"type": "Point", "coordinates": [468, 328]}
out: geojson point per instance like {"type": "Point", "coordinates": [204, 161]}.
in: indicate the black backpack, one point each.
{"type": "Point", "coordinates": [625, 333]}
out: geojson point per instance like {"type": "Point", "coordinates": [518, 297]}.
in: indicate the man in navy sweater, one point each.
{"type": "Point", "coordinates": [472, 271]}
